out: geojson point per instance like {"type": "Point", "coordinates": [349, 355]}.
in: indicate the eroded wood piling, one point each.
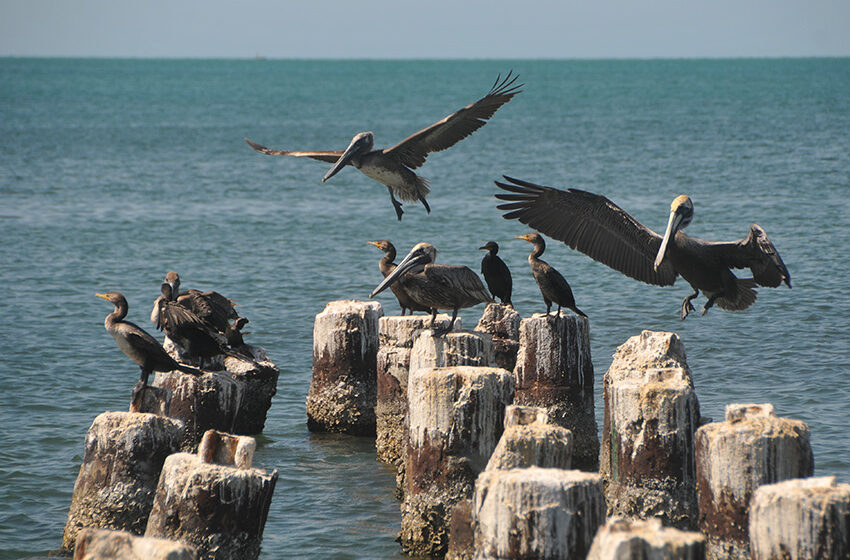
{"type": "Point", "coordinates": [751, 448]}
{"type": "Point", "coordinates": [651, 416]}
{"type": "Point", "coordinates": [554, 371]}
{"type": "Point", "coordinates": [638, 539]}
{"type": "Point", "coordinates": [529, 440]}
{"type": "Point", "coordinates": [105, 544]}
{"type": "Point", "coordinates": [502, 323]}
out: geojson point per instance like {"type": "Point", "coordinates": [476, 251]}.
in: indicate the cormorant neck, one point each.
{"type": "Point", "coordinates": [539, 247]}
{"type": "Point", "coordinates": [118, 314]}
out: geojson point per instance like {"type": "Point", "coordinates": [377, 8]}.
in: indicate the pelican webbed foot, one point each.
{"type": "Point", "coordinates": [710, 303]}
{"type": "Point", "coordinates": [687, 306]}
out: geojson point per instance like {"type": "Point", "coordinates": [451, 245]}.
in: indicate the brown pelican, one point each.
{"type": "Point", "coordinates": [552, 285]}
{"type": "Point", "coordinates": [438, 286]}
{"type": "Point", "coordinates": [141, 347]}
{"type": "Point", "coordinates": [496, 273]}
{"type": "Point", "coordinates": [184, 327]}
{"type": "Point", "coordinates": [393, 166]}
{"type": "Point", "coordinates": [386, 266]}
{"type": "Point", "coordinates": [212, 308]}
{"type": "Point", "coordinates": [603, 231]}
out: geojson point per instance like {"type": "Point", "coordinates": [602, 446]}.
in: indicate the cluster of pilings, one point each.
{"type": "Point", "coordinates": [171, 478]}
{"type": "Point", "coordinates": [494, 437]}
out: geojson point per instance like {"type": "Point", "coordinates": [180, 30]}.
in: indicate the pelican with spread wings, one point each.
{"type": "Point", "coordinates": [393, 167]}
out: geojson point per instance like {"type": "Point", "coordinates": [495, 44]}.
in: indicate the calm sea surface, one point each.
{"type": "Point", "coordinates": [113, 172]}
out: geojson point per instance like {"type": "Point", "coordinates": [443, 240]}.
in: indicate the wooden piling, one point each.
{"type": "Point", "coordinates": [209, 502]}
{"type": "Point", "coordinates": [751, 448]}
{"type": "Point", "coordinates": [632, 539]}
{"type": "Point", "coordinates": [554, 371]}
{"type": "Point", "coordinates": [651, 415]}
{"type": "Point", "coordinates": [529, 440]}
{"type": "Point", "coordinates": [800, 519]}
{"type": "Point", "coordinates": [502, 323]}
{"type": "Point", "coordinates": [536, 513]}
{"type": "Point", "coordinates": [105, 544]}
{"type": "Point", "coordinates": [124, 454]}
{"type": "Point", "coordinates": [395, 335]}
{"type": "Point", "coordinates": [343, 389]}
{"type": "Point", "coordinates": [260, 375]}
{"type": "Point", "coordinates": [461, 348]}
{"type": "Point", "coordinates": [455, 420]}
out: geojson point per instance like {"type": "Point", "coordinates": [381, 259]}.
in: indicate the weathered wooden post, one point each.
{"type": "Point", "coordinates": [105, 544]}
{"type": "Point", "coordinates": [529, 440]}
{"type": "Point", "coordinates": [554, 371]}
{"type": "Point", "coordinates": [460, 348]}
{"type": "Point", "coordinates": [751, 448]}
{"type": "Point", "coordinates": [214, 501]}
{"type": "Point", "coordinates": [395, 335]}
{"type": "Point", "coordinates": [651, 415]}
{"type": "Point", "coordinates": [343, 389]}
{"type": "Point", "coordinates": [801, 519]}
{"type": "Point", "coordinates": [502, 322]}
{"type": "Point", "coordinates": [124, 454]}
{"type": "Point", "coordinates": [633, 539]}
{"type": "Point", "coordinates": [536, 513]}
{"type": "Point", "coordinates": [455, 420]}
{"type": "Point", "coordinates": [259, 374]}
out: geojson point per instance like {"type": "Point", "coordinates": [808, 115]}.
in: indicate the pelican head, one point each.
{"type": "Point", "coordinates": [491, 246]}
{"type": "Point", "coordinates": [415, 261]}
{"type": "Point", "coordinates": [361, 144]}
{"type": "Point", "coordinates": [681, 214]}
{"type": "Point", "coordinates": [173, 280]}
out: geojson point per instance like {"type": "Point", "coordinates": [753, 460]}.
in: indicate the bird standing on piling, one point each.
{"type": "Point", "coordinates": [214, 309]}
{"type": "Point", "coordinates": [603, 231]}
{"type": "Point", "coordinates": [197, 338]}
{"type": "Point", "coordinates": [387, 266]}
{"type": "Point", "coordinates": [496, 273]}
{"type": "Point", "coordinates": [437, 286]}
{"type": "Point", "coordinates": [138, 345]}
{"type": "Point", "coordinates": [393, 167]}
{"type": "Point", "coordinates": [553, 286]}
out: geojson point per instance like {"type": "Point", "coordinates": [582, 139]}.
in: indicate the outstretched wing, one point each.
{"type": "Point", "coordinates": [413, 150]}
{"type": "Point", "coordinates": [757, 253]}
{"type": "Point", "coordinates": [329, 157]}
{"type": "Point", "coordinates": [590, 223]}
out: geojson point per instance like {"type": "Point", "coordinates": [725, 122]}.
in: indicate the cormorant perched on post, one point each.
{"type": "Point", "coordinates": [210, 307]}
{"type": "Point", "coordinates": [393, 167]}
{"type": "Point", "coordinates": [386, 266]}
{"type": "Point", "coordinates": [438, 286]}
{"type": "Point", "coordinates": [496, 273]}
{"type": "Point", "coordinates": [552, 285]}
{"type": "Point", "coordinates": [186, 329]}
{"type": "Point", "coordinates": [605, 232]}
{"type": "Point", "coordinates": [138, 345]}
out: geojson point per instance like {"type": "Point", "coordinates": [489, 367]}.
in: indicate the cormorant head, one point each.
{"type": "Point", "coordinates": [491, 246]}
{"type": "Point", "coordinates": [361, 144]}
{"type": "Point", "coordinates": [532, 237]}
{"type": "Point", "coordinates": [383, 245]}
{"type": "Point", "coordinates": [115, 298]}
{"type": "Point", "coordinates": [681, 214]}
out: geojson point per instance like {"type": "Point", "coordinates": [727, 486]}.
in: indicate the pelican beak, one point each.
{"type": "Point", "coordinates": [104, 296]}
{"type": "Point", "coordinates": [672, 227]}
{"type": "Point", "coordinates": [344, 159]}
{"type": "Point", "coordinates": [413, 259]}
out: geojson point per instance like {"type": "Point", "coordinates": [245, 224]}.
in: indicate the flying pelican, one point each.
{"type": "Point", "coordinates": [603, 231]}
{"type": "Point", "coordinates": [137, 344]}
{"type": "Point", "coordinates": [393, 166]}
{"type": "Point", "coordinates": [437, 286]}
{"type": "Point", "coordinates": [496, 273]}
{"type": "Point", "coordinates": [553, 286]}
{"type": "Point", "coordinates": [386, 266]}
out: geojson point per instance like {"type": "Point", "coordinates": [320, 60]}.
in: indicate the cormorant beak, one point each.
{"type": "Point", "coordinates": [344, 159]}
{"type": "Point", "coordinates": [413, 259]}
{"type": "Point", "coordinates": [483, 248]}
{"type": "Point", "coordinates": [375, 243]}
{"type": "Point", "coordinates": [104, 296]}
{"type": "Point", "coordinates": [523, 237]}
{"type": "Point", "coordinates": [672, 227]}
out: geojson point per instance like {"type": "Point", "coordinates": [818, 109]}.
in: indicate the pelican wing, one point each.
{"type": "Point", "coordinates": [329, 157]}
{"type": "Point", "coordinates": [757, 253]}
{"type": "Point", "coordinates": [591, 224]}
{"type": "Point", "coordinates": [413, 150]}
{"type": "Point", "coordinates": [459, 280]}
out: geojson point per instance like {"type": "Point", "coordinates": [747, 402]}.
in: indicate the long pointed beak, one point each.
{"type": "Point", "coordinates": [342, 161]}
{"type": "Point", "coordinates": [104, 296]}
{"type": "Point", "coordinates": [672, 227]}
{"type": "Point", "coordinates": [413, 259]}
{"type": "Point", "coordinates": [523, 237]}
{"type": "Point", "coordinates": [375, 243]}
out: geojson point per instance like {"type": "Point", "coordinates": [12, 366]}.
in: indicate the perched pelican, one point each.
{"type": "Point", "coordinates": [184, 327]}
{"type": "Point", "coordinates": [603, 231]}
{"type": "Point", "coordinates": [141, 347]}
{"type": "Point", "coordinates": [386, 266]}
{"type": "Point", "coordinates": [438, 286]}
{"type": "Point", "coordinates": [496, 273]}
{"type": "Point", "coordinates": [552, 285]}
{"type": "Point", "coordinates": [393, 166]}
{"type": "Point", "coordinates": [212, 308]}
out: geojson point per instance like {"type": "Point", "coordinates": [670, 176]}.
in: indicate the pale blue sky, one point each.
{"type": "Point", "coordinates": [425, 29]}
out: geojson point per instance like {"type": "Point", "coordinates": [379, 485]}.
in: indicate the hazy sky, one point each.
{"type": "Point", "coordinates": [425, 29]}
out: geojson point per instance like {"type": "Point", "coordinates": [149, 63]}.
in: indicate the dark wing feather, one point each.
{"type": "Point", "coordinates": [755, 252]}
{"type": "Point", "coordinates": [591, 224]}
{"type": "Point", "coordinates": [174, 316]}
{"type": "Point", "coordinates": [413, 150]}
{"type": "Point", "coordinates": [211, 307]}
{"type": "Point", "coordinates": [330, 156]}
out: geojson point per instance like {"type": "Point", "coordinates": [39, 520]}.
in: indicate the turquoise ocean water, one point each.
{"type": "Point", "coordinates": [113, 172]}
